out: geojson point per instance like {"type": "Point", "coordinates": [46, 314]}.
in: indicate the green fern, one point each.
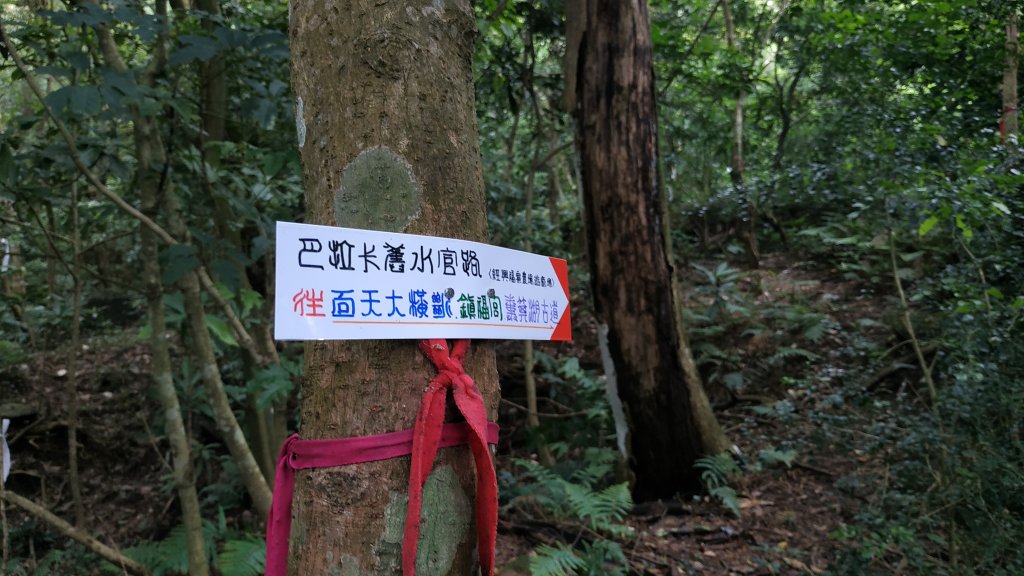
{"type": "Point", "coordinates": [579, 500]}
{"type": "Point", "coordinates": [717, 471]}
{"type": "Point", "coordinates": [597, 466]}
{"type": "Point", "coordinates": [170, 555]}
{"type": "Point", "coordinates": [772, 457]}
{"type": "Point", "coordinates": [601, 510]}
{"type": "Point", "coordinates": [559, 560]}
{"type": "Point", "coordinates": [728, 497]}
{"type": "Point", "coordinates": [790, 352]}
{"type": "Point", "coordinates": [245, 557]}
{"type": "Point", "coordinates": [605, 557]}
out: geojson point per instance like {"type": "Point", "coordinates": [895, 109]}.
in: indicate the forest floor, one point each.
{"type": "Point", "coordinates": [803, 422]}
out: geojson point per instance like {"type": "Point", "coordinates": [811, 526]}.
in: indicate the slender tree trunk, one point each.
{"type": "Point", "coordinates": [386, 85]}
{"type": "Point", "coordinates": [51, 256]}
{"type": "Point", "coordinates": [266, 436]}
{"type": "Point", "coordinates": [671, 424]}
{"type": "Point", "coordinates": [202, 350]}
{"type": "Point", "coordinates": [736, 173]}
{"type": "Point", "coordinates": [529, 379]}
{"type": "Point", "coordinates": [1009, 124]}
{"type": "Point", "coordinates": [149, 154]}
{"type": "Point", "coordinates": [181, 452]}
{"type": "Point", "coordinates": [76, 347]}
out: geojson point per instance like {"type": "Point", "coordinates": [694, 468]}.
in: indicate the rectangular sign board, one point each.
{"type": "Point", "coordinates": [349, 284]}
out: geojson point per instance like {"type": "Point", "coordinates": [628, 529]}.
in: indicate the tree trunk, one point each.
{"type": "Point", "coordinates": [262, 429]}
{"type": "Point", "coordinates": [201, 346]}
{"type": "Point", "coordinates": [149, 152]}
{"type": "Point", "coordinates": [736, 169]}
{"type": "Point", "coordinates": [1009, 124]}
{"type": "Point", "coordinates": [74, 479]}
{"type": "Point", "coordinates": [671, 423]}
{"type": "Point", "coordinates": [389, 88]}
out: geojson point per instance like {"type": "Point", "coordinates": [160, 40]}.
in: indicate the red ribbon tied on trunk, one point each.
{"type": "Point", "coordinates": [425, 442]}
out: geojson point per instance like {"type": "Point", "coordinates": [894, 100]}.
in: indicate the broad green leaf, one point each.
{"type": "Point", "coordinates": [964, 228]}
{"type": "Point", "coordinates": [176, 261]}
{"type": "Point", "coordinates": [220, 329]}
{"type": "Point", "coordinates": [250, 300]}
{"type": "Point", "coordinates": [193, 48]}
{"type": "Point", "coordinates": [80, 100]}
{"type": "Point", "coordinates": [927, 226]}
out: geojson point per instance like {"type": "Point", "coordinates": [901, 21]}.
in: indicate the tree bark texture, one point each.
{"type": "Point", "coordinates": [671, 424]}
{"type": "Point", "coordinates": [389, 81]}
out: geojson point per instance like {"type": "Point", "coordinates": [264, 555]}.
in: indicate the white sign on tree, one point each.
{"type": "Point", "coordinates": [350, 284]}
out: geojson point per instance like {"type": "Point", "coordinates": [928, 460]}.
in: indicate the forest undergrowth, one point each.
{"type": "Point", "coordinates": [803, 364]}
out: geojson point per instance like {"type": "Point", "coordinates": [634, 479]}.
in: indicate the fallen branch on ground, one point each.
{"type": "Point", "coordinates": [106, 552]}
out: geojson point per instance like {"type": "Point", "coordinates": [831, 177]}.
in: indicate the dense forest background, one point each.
{"type": "Point", "coordinates": [845, 197]}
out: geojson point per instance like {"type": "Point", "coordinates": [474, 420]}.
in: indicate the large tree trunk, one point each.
{"type": "Point", "coordinates": [671, 423]}
{"type": "Point", "coordinates": [389, 88]}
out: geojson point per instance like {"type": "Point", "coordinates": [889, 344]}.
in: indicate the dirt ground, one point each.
{"type": "Point", "coordinates": [789, 514]}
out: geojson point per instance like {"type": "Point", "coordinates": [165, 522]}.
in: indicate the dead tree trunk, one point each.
{"type": "Point", "coordinates": [670, 420]}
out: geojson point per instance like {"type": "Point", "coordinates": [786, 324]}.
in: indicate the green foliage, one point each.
{"type": "Point", "coordinates": [595, 558]}
{"type": "Point", "coordinates": [170, 555]}
{"type": "Point", "coordinates": [773, 457]}
{"type": "Point", "coordinates": [244, 557]}
{"type": "Point", "coordinates": [722, 285]}
{"type": "Point", "coordinates": [570, 385]}
{"type": "Point", "coordinates": [231, 552]}
{"type": "Point", "coordinates": [717, 470]}
{"type": "Point", "coordinates": [865, 121]}
{"type": "Point", "coordinates": [577, 497]}
{"type": "Point", "coordinates": [572, 494]}
{"type": "Point", "coordinates": [558, 560]}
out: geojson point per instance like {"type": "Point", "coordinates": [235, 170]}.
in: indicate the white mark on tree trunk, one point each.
{"type": "Point", "coordinates": [6, 265]}
{"type": "Point", "coordinates": [300, 122]}
{"type": "Point", "coordinates": [436, 9]}
{"type": "Point", "coordinates": [612, 390]}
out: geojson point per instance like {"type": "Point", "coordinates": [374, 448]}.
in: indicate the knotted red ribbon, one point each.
{"type": "Point", "coordinates": [425, 441]}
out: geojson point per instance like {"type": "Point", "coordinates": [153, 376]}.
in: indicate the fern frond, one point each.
{"type": "Point", "coordinates": [717, 468]}
{"type": "Point", "coordinates": [242, 557]}
{"type": "Point", "coordinates": [598, 465]}
{"type": "Point", "coordinates": [605, 557]}
{"type": "Point", "coordinates": [727, 496]}
{"type": "Point", "coordinates": [602, 510]}
{"type": "Point", "coordinates": [170, 555]}
{"type": "Point", "coordinates": [560, 560]}
{"type": "Point", "coordinates": [788, 353]}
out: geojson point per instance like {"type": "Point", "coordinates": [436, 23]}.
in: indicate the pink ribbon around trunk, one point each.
{"type": "Point", "coordinates": [299, 454]}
